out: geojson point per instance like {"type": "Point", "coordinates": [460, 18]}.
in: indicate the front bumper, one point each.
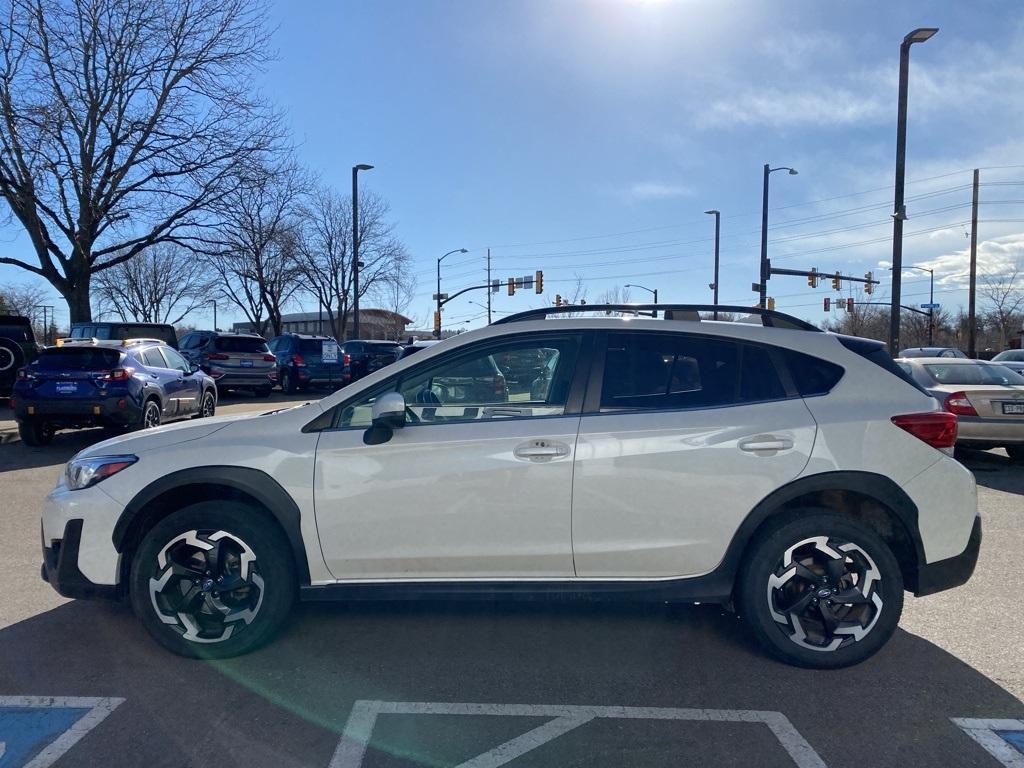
{"type": "Point", "coordinates": [60, 567]}
{"type": "Point", "coordinates": [951, 572]}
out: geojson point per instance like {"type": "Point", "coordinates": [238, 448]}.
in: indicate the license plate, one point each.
{"type": "Point", "coordinates": [329, 352]}
{"type": "Point", "coordinates": [247, 363]}
{"type": "Point", "coordinates": [1013, 409]}
{"type": "Point", "coordinates": [66, 387]}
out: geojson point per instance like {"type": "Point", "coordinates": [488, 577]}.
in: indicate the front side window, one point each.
{"type": "Point", "coordinates": [472, 386]}
{"type": "Point", "coordinates": [175, 361]}
{"type": "Point", "coordinates": [652, 371]}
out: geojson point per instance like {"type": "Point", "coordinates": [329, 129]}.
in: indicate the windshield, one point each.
{"type": "Point", "coordinates": [981, 373]}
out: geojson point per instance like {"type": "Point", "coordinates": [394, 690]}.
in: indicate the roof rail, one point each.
{"type": "Point", "coordinates": [769, 317]}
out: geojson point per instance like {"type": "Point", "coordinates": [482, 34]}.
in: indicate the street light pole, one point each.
{"type": "Point", "coordinates": [355, 246]}
{"type": "Point", "coordinates": [899, 213]}
{"type": "Point", "coordinates": [653, 291]}
{"type": "Point", "coordinates": [214, 302]}
{"type": "Point", "coordinates": [718, 230]}
{"type": "Point", "coordinates": [763, 285]}
{"type": "Point", "coordinates": [457, 250]}
{"type": "Point", "coordinates": [931, 298]}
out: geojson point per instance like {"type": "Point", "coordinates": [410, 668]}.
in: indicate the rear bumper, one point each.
{"type": "Point", "coordinates": [997, 431]}
{"type": "Point", "coordinates": [951, 572]}
{"type": "Point", "coordinates": [323, 375]}
{"type": "Point", "coordinates": [247, 379]}
{"type": "Point", "coordinates": [121, 411]}
{"type": "Point", "coordinates": [60, 567]}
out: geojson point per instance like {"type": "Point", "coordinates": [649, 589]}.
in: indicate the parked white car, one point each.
{"type": "Point", "coordinates": [797, 475]}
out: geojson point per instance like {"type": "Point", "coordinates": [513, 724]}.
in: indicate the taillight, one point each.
{"type": "Point", "coordinates": [958, 403]}
{"type": "Point", "coordinates": [938, 429]}
{"type": "Point", "coordinates": [118, 374]}
{"type": "Point", "coordinates": [346, 359]}
{"type": "Point", "coordinates": [298, 360]}
{"type": "Point", "coordinates": [217, 356]}
{"type": "Point", "coordinates": [269, 359]}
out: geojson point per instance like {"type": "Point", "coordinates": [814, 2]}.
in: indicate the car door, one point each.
{"type": "Point", "coordinates": [166, 379]}
{"type": "Point", "coordinates": [190, 387]}
{"type": "Point", "coordinates": [472, 487]}
{"type": "Point", "coordinates": [682, 435]}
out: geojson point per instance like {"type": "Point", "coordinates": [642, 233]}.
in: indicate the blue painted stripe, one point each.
{"type": "Point", "coordinates": [26, 731]}
{"type": "Point", "coordinates": [1013, 738]}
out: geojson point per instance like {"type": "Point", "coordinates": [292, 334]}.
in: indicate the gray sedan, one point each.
{"type": "Point", "coordinates": [987, 398]}
{"type": "Point", "coordinates": [1011, 358]}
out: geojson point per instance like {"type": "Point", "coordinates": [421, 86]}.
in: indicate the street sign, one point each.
{"type": "Point", "coordinates": [440, 296]}
{"type": "Point", "coordinates": [930, 306]}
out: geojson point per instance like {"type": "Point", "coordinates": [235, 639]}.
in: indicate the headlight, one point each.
{"type": "Point", "coordinates": [81, 473]}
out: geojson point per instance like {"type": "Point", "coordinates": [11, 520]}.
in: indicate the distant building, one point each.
{"type": "Point", "coordinates": [373, 324]}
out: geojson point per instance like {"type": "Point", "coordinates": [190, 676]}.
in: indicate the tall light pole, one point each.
{"type": "Point", "coordinates": [931, 298]}
{"type": "Point", "coordinates": [355, 246]}
{"type": "Point", "coordinates": [457, 250]}
{"type": "Point", "coordinates": [899, 213]}
{"type": "Point", "coordinates": [214, 302]}
{"type": "Point", "coordinates": [718, 232]}
{"type": "Point", "coordinates": [763, 286]}
{"type": "Point", "coordinates": [652, 291]}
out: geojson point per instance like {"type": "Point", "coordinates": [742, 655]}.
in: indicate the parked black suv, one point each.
{"type": "Point", "coordinates": [121, 331]}
{"type": "Point", "coordinates": [361, 358]}
{"type": "Point", "coordinates": [18, 347]}
{"type": "Point", "coordinates": [304, 361]}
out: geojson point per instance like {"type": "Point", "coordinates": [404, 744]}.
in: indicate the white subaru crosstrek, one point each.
{"type": "Point", "coordinates": [797, 475]}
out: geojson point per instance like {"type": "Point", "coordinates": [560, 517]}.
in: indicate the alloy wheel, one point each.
{"type": "Point", "coordinates": [825, 593]}
{"type": "Point", "coordinates": [208, 406]}
{"type": "Point", "coordinates": [207, 585]}
{"type": "Point", "coordinates": [151, 417]}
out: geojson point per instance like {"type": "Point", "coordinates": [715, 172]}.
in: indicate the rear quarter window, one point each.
{"type": "Point", "coordinates": [812, 375]}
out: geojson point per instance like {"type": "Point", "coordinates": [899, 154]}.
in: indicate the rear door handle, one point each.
{"type": "Point", "coordinates": [765, 443]}
{"type": "Point", "coordinates": [541, 450]}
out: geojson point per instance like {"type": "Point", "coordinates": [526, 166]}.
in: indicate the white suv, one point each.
{"type": "Point", "coordinates": [797, 475]}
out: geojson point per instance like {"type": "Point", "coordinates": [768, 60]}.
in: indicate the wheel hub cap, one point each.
{"type": "Point", "coordinates": [824, 593]}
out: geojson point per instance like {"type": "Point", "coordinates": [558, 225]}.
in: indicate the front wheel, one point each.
{"type": "Point", "coordinates": [820, 590]}
{"type": "Point", "coordinates": [213, 580]}
{"type": "Point", "coordinates": [35, 433]}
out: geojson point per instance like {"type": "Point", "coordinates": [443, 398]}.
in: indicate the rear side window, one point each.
{"type": "Point", "coordinates": [382, 349]}
{"type": "Point", "coordinates": [239, 344]}
{"type": "Point", "coordinates": [662, 371]}
{"type": "Point", "coordinates": [77, 359]}
{"type": "Point", "coordinates": [812, 375]}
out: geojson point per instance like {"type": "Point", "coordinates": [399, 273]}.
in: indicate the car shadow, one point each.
{"type": "Point", "coordinates": [67, 443]}
{"type": "Point", "coordinates": [285, 704]}
{"type": "Point", "coordinates": [994, 469]}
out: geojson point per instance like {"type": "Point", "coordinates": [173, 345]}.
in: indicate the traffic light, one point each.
{"type": "Point", "coordinates": [812, 279]}
{"type": "Point", "coordinates": [437, 324]}
{"type": "Point", "coordinates": [837, 284]}
{"type": "Point", "coordinates": [828, 304]}
{"type": "Point", "coordinates": [538, 281]}
{"type": "Point", "coordinates": [558, 299]}
{"type": "Point", "coordinates": [511, 286]}
{"type": "Point", "coordinates": [868, 287]}
{"type": "Point", "coordinates": [849, 305]}
{"type": "Point", "coordinates": [771, 304]}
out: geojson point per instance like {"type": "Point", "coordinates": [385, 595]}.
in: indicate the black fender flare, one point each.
{"type": "Point", "coordinates": [882, 489]}
{"type": "Point", "coordinates": [245, 480]}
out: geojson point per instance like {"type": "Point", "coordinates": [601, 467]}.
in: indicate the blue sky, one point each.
{"type": "Point", "coordinates": [587, 137]}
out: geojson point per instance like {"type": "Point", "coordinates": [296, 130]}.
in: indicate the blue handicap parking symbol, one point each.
{"type": "Point", "coordinates": [38, 730]}
{"type": "Point", "coordinates": [1013, 738]}
{"type": "Point", "coordinates": [27, 731]}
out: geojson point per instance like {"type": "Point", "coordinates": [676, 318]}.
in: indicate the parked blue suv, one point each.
{"type": "Point", "coordinates": [136, 386]}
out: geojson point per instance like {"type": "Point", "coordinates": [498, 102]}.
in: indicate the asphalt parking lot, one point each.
{"type": "Point", "coordinates": [492, 683]}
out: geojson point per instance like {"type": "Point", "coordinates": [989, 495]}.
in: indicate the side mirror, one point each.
{"type": "Point", "coordinates": [192, 369]}
{"type": "Point", "coordinates": [388, 414]}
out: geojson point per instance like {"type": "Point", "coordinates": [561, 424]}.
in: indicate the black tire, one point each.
{"type": "Point", "coordinates": [867, 572]}
{"type": "Point", "coordinates": [262, 391]}
{"type": "Point", "coordinates": [1016, 453]}
{"type": "Point", "coordinates": [12, 357]}
{"type": "Point", "coordinates": [207, 405]}
{"type": "Point", "coordinates": [210, 540]}
{"type": "Point", "coordinates": [35, 433]}
{"type": "Point", "coordinates": [287, 382]}
{"type": "Point", "coordinates": [151, 415]}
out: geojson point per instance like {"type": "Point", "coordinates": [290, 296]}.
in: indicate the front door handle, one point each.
{"type": "Point", "coordinates": [765, 443]}
{"type": "Point", "coordinates": [541, 450]}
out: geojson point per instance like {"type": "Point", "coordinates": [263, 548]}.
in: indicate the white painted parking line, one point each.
{"type": "Point", "coordinates": [96, 710]}
{"type": "Point", "coordinates": [987, 733]}
{"type": "Point", "coordinates": [356, 737]}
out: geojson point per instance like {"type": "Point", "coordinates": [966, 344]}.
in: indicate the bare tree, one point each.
{"type": "Point", "coordinates": [23, 299]}
{"type": "Point", "coordinates": [1004, 294]}
{"type": "Point", "coordinates": [325, 253]}
{"type": "Point", "coordinates": [160, 285]}
{"type": "Point", "coordinates": [120, 122]}
{"type": "Point", "coordinates": [257, 263]}
{"type": "Point", "coordinates": [396, 292]}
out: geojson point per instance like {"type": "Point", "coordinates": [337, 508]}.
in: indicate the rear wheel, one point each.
{"type": "Point", "coordinates": [207, 406]}
{"type": "Point", "coordinates": [819, 590]}
{"type": "Point", "coordinates": [1016, 453]}
{"type": "Point", "coordinates": [212, 580]}
{"type": "Point", "coordinates": [35, 433]}
{"type": "Point", "coordinates": [150, 415]}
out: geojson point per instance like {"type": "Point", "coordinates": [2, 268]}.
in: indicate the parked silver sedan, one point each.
{"type": "Point", "coordinates": [1012, 359]}
{"type": "Point", "coordinates": [987, 398]}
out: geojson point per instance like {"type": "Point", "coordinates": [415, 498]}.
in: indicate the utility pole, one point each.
{"type": "Point", "coordinates": [718, 231]}
{"type": "Point", "coordinates": [972, 350]}
{"type": "Point", "coordinates": [899, 213]}
{"type": "Point", "coordinates": [214, 302]}
{"type": "Point", "coordinates": [488, 286]}
{"type": "Point", "coordinates": [355, 246]}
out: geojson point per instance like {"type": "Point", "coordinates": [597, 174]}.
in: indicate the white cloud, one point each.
{"type": "Point", "coordinates": [999, 256]}
{"type": "Point", "coordinates": [657, 190]}
{"type": "Point", "coordinates": [780, 109]}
